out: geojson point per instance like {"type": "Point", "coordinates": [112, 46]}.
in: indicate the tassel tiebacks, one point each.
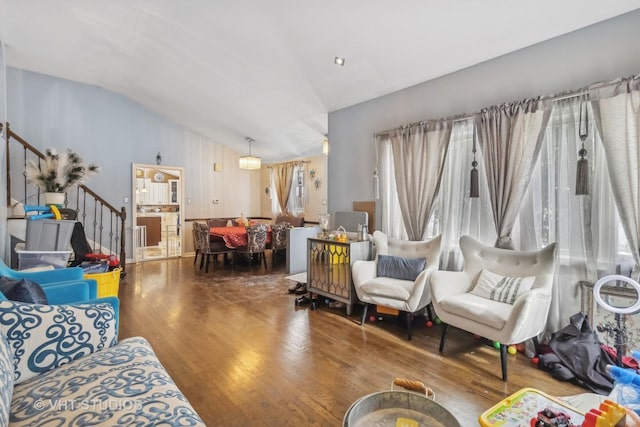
{"type": "Point", "coordinates": [473, 189]}
{"type": "Point", "coordinates": [582, 168]}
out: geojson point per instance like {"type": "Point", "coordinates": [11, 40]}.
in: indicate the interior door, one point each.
{"type": "Point", "coordinates": [158, 208]}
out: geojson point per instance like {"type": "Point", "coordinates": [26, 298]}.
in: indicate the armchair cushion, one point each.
{"type": "Point", "coordinates": [389, 288]}
{"type": "Point", "coordinates": [400, 267]}
{"type": "Point", "coordinates": [501, 288]}
{"type": "Point", "coordinates": [43, 337]}
{"type": "Point", "coordinates": [22, 290]}
{"type": "Point", "coordinates": [478, 309]}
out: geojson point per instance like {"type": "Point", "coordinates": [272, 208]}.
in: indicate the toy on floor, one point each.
{"type": "Point", "coordinates": [551, 418]}
{"type": "Point", "coordinates": [608, 414]}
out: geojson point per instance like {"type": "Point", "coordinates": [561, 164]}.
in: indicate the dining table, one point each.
{"type": "Point", "coordinates": [234, 236]}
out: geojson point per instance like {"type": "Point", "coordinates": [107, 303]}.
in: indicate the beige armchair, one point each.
{"type": "Point", "coordinates": [405, 294]}
{"type": "Point", "coordinates": [501, 295]}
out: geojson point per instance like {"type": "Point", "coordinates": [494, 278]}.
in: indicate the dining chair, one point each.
{"type": "Point", "coordinates": [278, 240]}
{"type": "Point", "coordinates": [210, 247]}
{"type": "Point", "coordinates": [256, 243]}
{"type": "Point", "coordinates": [196, 242]}
{"type": "Point", "coordinates": [217, 222]}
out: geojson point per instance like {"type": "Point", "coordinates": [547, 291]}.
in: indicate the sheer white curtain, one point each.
{"type": "Point", "coordinates": [458, 214]}
{"type": "Point", "coordinates": [418, 153]}
{"type": "Point", "coordinates": [391, 217]}
{"type": "Point", "coordinates": [551, 212]}
{"type": "Point", "coordinates": [616, 108]}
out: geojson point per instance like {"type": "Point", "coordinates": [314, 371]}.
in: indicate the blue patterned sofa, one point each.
{"type": "Point", "coordinates": [61, 365]}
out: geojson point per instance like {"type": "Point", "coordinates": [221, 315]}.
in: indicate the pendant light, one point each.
{"type": "Point", "coordinates": [250, 162]}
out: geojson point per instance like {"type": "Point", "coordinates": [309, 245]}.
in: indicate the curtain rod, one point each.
{"type": "Point", "coordinates": [294, 162]}
{"type": "Point", "coordinates": [466, 116]}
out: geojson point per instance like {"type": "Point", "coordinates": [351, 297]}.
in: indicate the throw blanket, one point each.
{"type": "Point", "coordinates": [577, 354]}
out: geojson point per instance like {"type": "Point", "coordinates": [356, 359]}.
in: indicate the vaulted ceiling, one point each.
{"type": "Point", "coordinates": [230, 69]}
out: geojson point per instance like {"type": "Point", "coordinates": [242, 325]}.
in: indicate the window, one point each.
{"type": "Point", "coordinates": [297, 196]}
{"type": "Point", "coordinates": [587, 228]}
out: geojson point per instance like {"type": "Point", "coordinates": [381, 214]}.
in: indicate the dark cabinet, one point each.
{"type": "Point", "coordinates": [153, 225]}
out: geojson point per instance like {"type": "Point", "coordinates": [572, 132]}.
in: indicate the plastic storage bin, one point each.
{"type": "Point", "coordinates": [108, 282]}
{"type": "Point", "coordinates": [49, 234]}
{"type": "Point", "coordinates": [38, 259]}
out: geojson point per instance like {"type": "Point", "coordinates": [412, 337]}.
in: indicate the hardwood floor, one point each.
{"type": "Point", "coordinates": [245, 355]}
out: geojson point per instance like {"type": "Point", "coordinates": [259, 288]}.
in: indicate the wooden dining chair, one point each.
{"type": "Point", "coordinates": [256, 243]}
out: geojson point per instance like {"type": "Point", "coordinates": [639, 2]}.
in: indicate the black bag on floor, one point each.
{"type": "Point", "coordinates": [580, 350]}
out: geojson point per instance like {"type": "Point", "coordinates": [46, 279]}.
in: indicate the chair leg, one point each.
{"type": "Point", "coordinates": [206, 268]}
{"type": "Point", "coordinates": [264, 260]}
{"type": "Point", "coordinates": [503, 361]}
{"type": "Point", "coordinates": [195, 258]}
{"type": "Point", "coordinates": [430, 315]}
{"type": "Point", "coordinates": [409, 326]}
{"type": "Point", "coordinates": [443, 337]}
{"type": "Point", "coordinates": [364, 313]}
{"type": "Point", "coordinates": [536, 345]}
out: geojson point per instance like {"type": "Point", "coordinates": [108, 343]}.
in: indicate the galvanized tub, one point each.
{"type": "Point", "coordinates": [400, 408]}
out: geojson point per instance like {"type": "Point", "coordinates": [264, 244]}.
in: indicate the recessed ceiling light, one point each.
{"type": "Point", "coordinates": [339, 61]}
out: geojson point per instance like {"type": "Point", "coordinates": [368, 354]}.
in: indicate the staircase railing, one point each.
{"type": "Point", "coordinates": [103, 223]}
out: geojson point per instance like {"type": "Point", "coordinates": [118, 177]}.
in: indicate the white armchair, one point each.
{"type": "Point", "coordinates": [509, 306]}
{"type": "Point", "coordinates": [401, 294]}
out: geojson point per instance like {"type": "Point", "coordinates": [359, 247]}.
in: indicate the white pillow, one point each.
{"type": "Point", "coordinates": [501, 288]}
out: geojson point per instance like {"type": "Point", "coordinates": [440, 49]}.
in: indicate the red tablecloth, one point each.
{"type": "Point", "coordinates": [234, 237]}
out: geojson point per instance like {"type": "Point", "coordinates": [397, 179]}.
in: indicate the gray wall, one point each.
{"type": "Point", "coordinates": [109, 129]}
{"type": "Point", "coordinates": [603, 51]}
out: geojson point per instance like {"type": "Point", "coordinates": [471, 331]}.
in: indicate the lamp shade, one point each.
{"type": "Point", "coordinates": [250, 162]}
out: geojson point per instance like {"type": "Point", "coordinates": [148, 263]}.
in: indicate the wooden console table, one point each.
{"type": "Point", "coordinates": [329, 268]}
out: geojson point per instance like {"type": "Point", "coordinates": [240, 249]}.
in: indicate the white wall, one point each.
{"type": "Point", "coordinates": [109, 129]}
{"type": "Point", "coordinates": [604, 51]}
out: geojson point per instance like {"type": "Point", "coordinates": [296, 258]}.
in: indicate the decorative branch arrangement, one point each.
{"type": "Point", "coordinates": [56, 173]}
